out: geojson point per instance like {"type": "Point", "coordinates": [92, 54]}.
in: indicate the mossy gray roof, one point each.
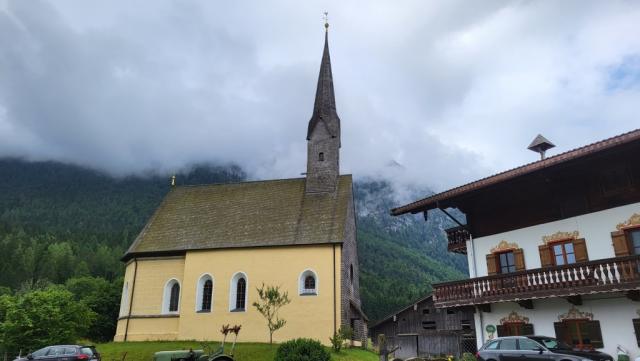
{"type": "Point", "coordinates": [247, 214]}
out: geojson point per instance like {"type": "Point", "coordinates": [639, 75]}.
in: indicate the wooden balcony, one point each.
{"type": "Point", "coordinates": [605, 275]}
{"type": "Point", "coordinates": [457, 239]}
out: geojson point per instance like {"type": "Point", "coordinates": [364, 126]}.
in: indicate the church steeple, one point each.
{"type": "Point", "coordinates": [323, 133]}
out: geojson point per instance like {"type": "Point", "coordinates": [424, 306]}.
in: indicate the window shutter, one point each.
{"type": "Point", "coordinates": [620, 244]}
{"type": "Point", "coordinates": [593, 334]}
{"type": "Point", "coordinates": [636, 329]}
{"type": "Point", "coordinates": [518, 255]}
{"type": "Point", "coordinates": [561, 331]}
{"type": "Point", "coordinates": [580, 249]}
{"type": "Point", "coordinates": [545, 256]}
{"type": "Point", "coordinates": [492, 264]}
{"type": "Point", "coordinates": [527, 329]}
{"type": "Point", "coordinates": [502, 331]}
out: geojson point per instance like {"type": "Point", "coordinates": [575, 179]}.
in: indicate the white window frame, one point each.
{"type": "Point", "coordinates": [233, 289]}
{"type": "Point", "coordinates": [166, 299]}
{"type": "Point", "coordinates": [200, 291]}
{"type": "Point", "coordinates": [301, 290]}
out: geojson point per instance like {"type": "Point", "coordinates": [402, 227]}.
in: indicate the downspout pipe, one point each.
{"type": "Point", "coordinates": [472, 245]}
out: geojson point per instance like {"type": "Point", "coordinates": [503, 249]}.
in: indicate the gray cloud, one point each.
{"type": "Point", "coordinates": [451, 91]}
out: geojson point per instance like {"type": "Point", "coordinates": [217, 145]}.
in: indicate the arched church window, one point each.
{"type": "Point", "coordinates": [351, 273]}
{"type": "Point", "coordinates": [321, 156]}
{"type": "Point", "coordinates": [171, 298]}
{"type": "Point", "coordinates": [124, 301]}
{"type": "Point", "coordinates": [238, 294]}
{"type": "Point", "coordinates": [308, 283]}
{"type": "Point", "coordinates": [241, 294]}
{"type": "Point", "coordinates": [175, 297]}
{"type": "Point", "coordinates": [204, 293]}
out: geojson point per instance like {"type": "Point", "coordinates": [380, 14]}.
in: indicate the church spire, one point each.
{"type": "Point", "coordinates": [324, 107]}
{"type": "Point", "coordinates": [323, 134]}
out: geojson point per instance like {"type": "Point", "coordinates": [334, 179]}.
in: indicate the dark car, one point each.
{"type": "Point", "coordinates": [63, 353]}
{"type": "Point", "coordinates": [536, 348]}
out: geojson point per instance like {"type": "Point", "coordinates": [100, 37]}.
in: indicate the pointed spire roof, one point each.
{"type": "Point", "coordinates": [540, 143]}
{"type": "Point", "coordinates": [324, 108]}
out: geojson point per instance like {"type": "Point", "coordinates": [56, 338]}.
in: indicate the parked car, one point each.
{"type": "Point", "coordinates": [536, 348]}
{"type": "Point", "coordinates": [63, 353]}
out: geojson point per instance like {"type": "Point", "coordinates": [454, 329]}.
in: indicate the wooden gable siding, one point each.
{"type": "Point", "coordinates": [408, 328]}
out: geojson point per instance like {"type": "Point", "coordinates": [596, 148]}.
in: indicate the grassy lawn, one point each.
{"type": "Point", "coordinates": [143, 351]}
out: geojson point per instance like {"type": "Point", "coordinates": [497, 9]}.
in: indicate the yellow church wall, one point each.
{"type": "Point", "coordinates": [151, 329]}
{"type": "Point", "coordinates": [306, 316]}
{"type": "Point", "coordinates": [145, 299]}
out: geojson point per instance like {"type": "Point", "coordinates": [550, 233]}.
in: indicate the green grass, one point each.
{"type": "Point", "coordinates": [143, 351]}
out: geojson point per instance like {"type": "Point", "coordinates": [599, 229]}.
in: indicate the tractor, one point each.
{"type": "Point", "coordinates": [201, 355]}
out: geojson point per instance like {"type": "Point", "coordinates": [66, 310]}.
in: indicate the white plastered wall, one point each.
{"type": "Point", "coordinates": [595, 227]}
{"type": "Point", "coordinates": [615, 316]}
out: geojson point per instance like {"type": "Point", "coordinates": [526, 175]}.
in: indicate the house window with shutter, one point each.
{"type": "Point", "coordinates": [563, 252]}
{"type": "Point", "coordinates": [506, 262]}
{"type": "Point", "coordinates": [503, 262]}
{"type": "Point", "coordinates": [626, 241]}
{"type": "Point", "coordinates": [515, 329]}
{"type": "Point", "coordinates": [583, 334]}
{"type": "Point", "coordinates": [634, 238]}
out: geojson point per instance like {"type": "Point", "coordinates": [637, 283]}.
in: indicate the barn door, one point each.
{"type": "Point", "coordinates": [408, 346]}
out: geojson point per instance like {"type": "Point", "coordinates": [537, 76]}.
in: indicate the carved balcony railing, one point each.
{"type": "Point", "coordinates": [457, 239]}
{"type": "Point", "coordinates": [605, 275]}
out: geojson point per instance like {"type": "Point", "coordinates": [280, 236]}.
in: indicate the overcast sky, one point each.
{"type": "Point", "coordinates": [449, 90]}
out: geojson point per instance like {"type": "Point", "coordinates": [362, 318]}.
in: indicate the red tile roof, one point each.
{"type": "Point", "coordinates": [602, 145]}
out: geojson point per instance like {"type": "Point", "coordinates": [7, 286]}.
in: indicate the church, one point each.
{"type": "Point", "coordinates": [199, 260]}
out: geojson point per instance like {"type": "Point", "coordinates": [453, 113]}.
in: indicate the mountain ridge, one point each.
{"type": "Point", "coordinates": [59, 221]}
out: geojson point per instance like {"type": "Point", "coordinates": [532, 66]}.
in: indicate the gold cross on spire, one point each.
{"type": "Point", "coordinates": [326, 21]}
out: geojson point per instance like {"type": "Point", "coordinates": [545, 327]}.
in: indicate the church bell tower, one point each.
{"type": "Point", "coordinates": [323, 134]}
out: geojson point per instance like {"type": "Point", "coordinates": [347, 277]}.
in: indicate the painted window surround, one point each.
{"type": "Point", "coordinates": [302, 291]}
{"type": "Point", "coordinates": [595, 227]}
{"type": "Point", "coordinates": [233, 289]}
{"type": "Point", "coordinates": [200, 292]}
{"type": "Point", "coordinates": [166, 297]}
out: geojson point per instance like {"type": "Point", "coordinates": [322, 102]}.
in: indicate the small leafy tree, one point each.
{"type": "Point", "coordinates": [271, 300]}
{"type": "Point", "coordinates": [338, 340]}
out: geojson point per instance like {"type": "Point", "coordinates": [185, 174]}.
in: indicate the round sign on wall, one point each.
{"type": "Point", "coordinates": [490, 328]}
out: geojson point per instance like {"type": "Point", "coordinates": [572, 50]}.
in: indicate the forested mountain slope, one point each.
{"type": "Point", "coordinates": [59, 221]}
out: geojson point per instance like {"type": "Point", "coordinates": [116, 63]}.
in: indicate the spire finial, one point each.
{"type": "Point", "coordinates": [326, 21]}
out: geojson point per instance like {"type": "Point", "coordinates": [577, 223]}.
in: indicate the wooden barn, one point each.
{"type": "Point", "coordinates": [422, 330]}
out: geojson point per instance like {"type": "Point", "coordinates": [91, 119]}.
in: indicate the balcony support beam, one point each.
{"type": "Point", "coordinates": [575, 300]}
{"type": "Point", "coordinates": [526, 304]}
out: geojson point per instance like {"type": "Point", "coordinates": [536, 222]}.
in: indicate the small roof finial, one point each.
{"type": "Point", "coordinates": [540, 145]}
{"type": "Point", "coordinates": [326, 21]}
{"type": "Point", "coordinates": [173, 180]}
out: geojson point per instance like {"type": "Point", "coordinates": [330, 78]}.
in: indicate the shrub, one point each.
{"type": "Point", "coordinates": [302, 349]}
{"type": "Point", "coordinates": [339, 338]}
{"type": "Point", "coordinates": [38, 318]}
{"type": "Point", "coordinates": [467, 356]}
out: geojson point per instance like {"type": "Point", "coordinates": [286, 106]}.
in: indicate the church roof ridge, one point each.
{"type": "Point", "coordinates": [249, 181]}
{"type": "Point", "coordinates": [244, 215]}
